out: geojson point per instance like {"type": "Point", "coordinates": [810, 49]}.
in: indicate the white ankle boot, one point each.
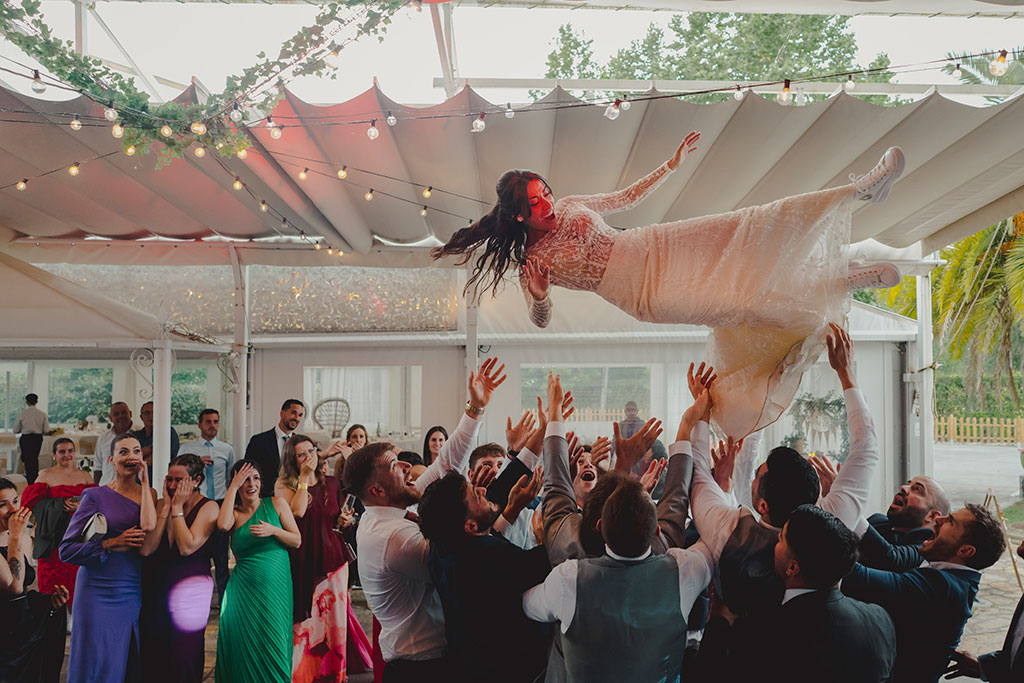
{"type": "Point", "coordinates": [874, 185]}
{"type": "Point", "coordinates": [878, 275]}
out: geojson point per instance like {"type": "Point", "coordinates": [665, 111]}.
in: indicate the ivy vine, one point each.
{"type": "Point", "coordinates": [253, 93]}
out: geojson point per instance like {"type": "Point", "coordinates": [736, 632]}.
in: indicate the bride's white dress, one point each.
{"type": "Point", "coordinates": [766, 279]}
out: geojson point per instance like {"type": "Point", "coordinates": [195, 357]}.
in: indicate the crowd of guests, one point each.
{"type": "Point", "coordinates": [540, 560]}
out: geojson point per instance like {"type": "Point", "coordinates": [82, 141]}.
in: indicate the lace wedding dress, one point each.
{"type": "Point", "coordinates": [767, 280]}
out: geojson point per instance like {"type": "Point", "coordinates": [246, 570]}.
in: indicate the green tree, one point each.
{"type": "Point", "coordinates": [76, 393]}
{"type": "Point", "coordinates": [188, 395]}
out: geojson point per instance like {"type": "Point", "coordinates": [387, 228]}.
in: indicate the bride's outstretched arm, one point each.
{"type": "Point", "coordinates": [628, 197]}
{"type": "Point", "coordinates": [535, 282]}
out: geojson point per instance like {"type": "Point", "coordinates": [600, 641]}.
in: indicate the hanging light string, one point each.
{"type": "Point", "coordinates": [66, 167]}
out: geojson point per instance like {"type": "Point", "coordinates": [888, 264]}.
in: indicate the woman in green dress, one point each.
{"type": "Point", "coordinates": [254, 643]}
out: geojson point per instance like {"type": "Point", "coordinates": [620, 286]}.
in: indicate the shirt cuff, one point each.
{"type": "Point", "coordinates": [528, 458]}
{"type": "Point", "coordinates": [556, 428]}
{"type": "Point", "coordinates": [861, 528]}
{"type": "Point", "coordinates": [701, 431]}
{"type": "Point", "coordinates": [501, 525]}
{"type": "Point", "coordinates": [680, 448]}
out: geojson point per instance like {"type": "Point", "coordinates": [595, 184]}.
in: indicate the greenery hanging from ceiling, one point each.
{"type": "Point", "coordinates": [218, 122]}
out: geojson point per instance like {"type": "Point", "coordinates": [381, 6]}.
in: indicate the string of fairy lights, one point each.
{"type": "Point", "coordinates": [306, 166]}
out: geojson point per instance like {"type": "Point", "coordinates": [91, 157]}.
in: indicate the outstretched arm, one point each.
{"type": "Point", "coordinates": [628, 197]}
{"type": "Point", "coordinates": [535, 281]}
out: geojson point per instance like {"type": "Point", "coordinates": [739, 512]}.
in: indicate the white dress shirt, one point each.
{"type": "Point", "coordinates": [716, 515]}
{"type": "Point", "coordinates": [795, 592]}
{"type": "Point", "coordinates": [555, 599]}
{"type": "Point", "coordinates": [31, 421]}
{"type": "Point", "coordinates": [393, 564]}
{"type": "Point", "coordinates": [218, 475]}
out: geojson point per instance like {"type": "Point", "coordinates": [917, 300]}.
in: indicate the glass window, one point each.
{"type": "Point", "coordinates": [384, 399]}
{"type": "Point", "coordinates": [188, 395]}
{"type": "Point", "coordinates": [75, 393]}
{"type": "Point", "coordinates": [601, 392]}
{"type": "Point", "coordinates": [13, 381]}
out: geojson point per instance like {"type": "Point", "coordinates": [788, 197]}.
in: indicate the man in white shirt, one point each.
{"type": "Point", "coordinates": [31, 424]}
{"type": "Point", "coordinates": [120, 423]}
{"type": "Point", "coordinates": [393, 554]}
{"type": "Point", "coordinates": [219, 458]}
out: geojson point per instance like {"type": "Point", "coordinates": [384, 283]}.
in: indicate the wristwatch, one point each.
{"type": "Point", "coordinates": [473, 411]}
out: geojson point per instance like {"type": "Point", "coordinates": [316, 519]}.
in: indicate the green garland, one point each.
{"type": "Point", "coordinates": [304, 54]}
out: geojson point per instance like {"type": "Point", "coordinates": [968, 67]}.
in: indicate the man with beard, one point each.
{"type": "Point", "coordinates": [480, 578]}
{"type": "Point", "coordinates": [264, 449]}
{"type": "Point", "coordinates": [393, 554]}
{"type": "Point", "coordinates": [930, 604]}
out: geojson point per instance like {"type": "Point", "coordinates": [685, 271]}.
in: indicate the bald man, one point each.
{"type": "Point", "coordinates": [908, 523]}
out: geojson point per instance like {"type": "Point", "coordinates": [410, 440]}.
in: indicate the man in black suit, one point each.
{"type": "Point", "coordinates": [817, 633]}
{"type": "Point", "coordinates": [480, 578]}
{"type": "Point", "coordinates": [1001, 666]}
{"type": "Point", "coordinates": [265, 448]}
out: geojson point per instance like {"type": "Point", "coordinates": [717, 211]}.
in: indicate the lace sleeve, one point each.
{"type": "Point", "coordinates": [540, 311]}
{"type": "Point", "coordinates": [627, 197]}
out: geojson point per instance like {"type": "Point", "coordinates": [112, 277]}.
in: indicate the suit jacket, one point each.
{"type": "Point", "coordinates": [878, 553]}
{"type": "Point", "coordinates": [481, 584]}
{"type": "Point", "coordinates": [929, 607]}
{"type": "Point", "coordinates": [819, 636]}
{"type": "Point", "coordinates": [997, 666]}
{"type": "Point", "coordinates": [883, 526]}
{"type": "Point", "coordinates": [264, 453]}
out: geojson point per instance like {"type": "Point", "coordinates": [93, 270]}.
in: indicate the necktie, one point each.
{"type": "Point", "coordinates": [211, 490]}
{"type": "Point", "coordinates": [412, 516]}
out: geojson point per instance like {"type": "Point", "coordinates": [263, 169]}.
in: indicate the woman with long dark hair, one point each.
{"type": "Point", "coordinates": [767, 279]}
{"type": "Point", "coordinates": [432, 443]}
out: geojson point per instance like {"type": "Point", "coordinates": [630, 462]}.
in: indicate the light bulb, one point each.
{"type": "Point", "coordinates": [478, 124]}
{"type": "Point", "coordinates": [263, 206]}
{"type": "Point", "coordinates": [372, 131]}
{"type": "Point", "coordinates": [276, 132]}
{"type": "Point", "coordinates": [738, 95]}
{"type": "Point", "coordinates": [117, 130]}
{"type": "Point", "coordinates": [317, 246]}
{"type": "Point", "coordinates": [242, 153]}
{"type": "Point", "coordinates": [785, 96]}
{"type": "Point", "coordinates": [237, 184]}
{"type": "Point", "coordinates": [270, 122]}
{"type": "Point", "coordinates": [849, 85]}
{"type": "Point", "coordinates": [198, 127]}
{"type": "Point", "coordinates": [22, 184]}
{"type": "Point", "coordinates": [343, 172]}
{"type": "Point", "coordinates": [423, 211]}
{"type": "Point", "coordinates": [76, 123]}
{"type": "Point", "coordinates": [236, 114]}
{"type": "Point", "coordinates": [110, 114]}
{"type": "Point", "coordinates": [369, 195]}
{"type": "Point", "coordinates": [391, 119]}
{"type": "Point", "coordinates": [166, 130]}
{"type": "Point", "coordinates": [303, 174]}
{"type": "Point", "coordinates": [612, 112]}
{"type": "Point", "coordinates": [330, 250]}
{"type": "Point", "coordinates": [427, 191]}
{"type": "Point", "coordinates": [200, 152]}
{"type": "Point", "coordinates": [508, 110]}
{"type": "Point", "coordinates": [999, 65]}
{"type": "Point", "coordinates": [74, 168]}
{"type": "Point", "coordinates": [38, 86]}
{"type": "Point", "coordinates": [130, 150]}
{"type": "Point", "coordinates": [958, 72]}
{"type": "Point", "coordinates": [625, 105]}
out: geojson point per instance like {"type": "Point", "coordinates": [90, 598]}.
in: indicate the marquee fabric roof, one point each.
{"type": "Point", "coordinates": [965, 170]}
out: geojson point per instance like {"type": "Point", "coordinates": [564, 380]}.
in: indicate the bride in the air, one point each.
{"type": "Point", "coordinates": [767, 279]}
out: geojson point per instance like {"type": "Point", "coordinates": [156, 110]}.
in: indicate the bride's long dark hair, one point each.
{"type": "Point", "coordinates": [500, 231]}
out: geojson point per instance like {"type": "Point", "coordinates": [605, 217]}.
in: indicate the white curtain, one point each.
{"type": "Point", "coordinates": [377, 396]}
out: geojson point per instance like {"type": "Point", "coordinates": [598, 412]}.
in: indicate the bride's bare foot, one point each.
{"type": "Point", "coordinates": [874, 185]}
{"type": "Point", "coordinates": [878, 275]}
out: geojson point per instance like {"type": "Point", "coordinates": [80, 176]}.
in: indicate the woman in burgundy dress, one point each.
{"type": "Point", "coordinates": [177, 585]}
{"type": "Point", "coordinates": [328, 638]}
{"type": "Point", "coordinates": [53, 498]}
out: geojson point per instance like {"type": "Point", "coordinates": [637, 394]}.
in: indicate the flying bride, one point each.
{"type": "Point", "coordinates": [767, 279]}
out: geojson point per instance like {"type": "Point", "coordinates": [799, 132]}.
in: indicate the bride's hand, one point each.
{"type": "Point", "coordinates": [689, 145]}
{"type": "Point", "coordinates": [538, 281]}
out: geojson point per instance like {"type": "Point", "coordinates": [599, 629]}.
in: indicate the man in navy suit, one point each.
{"type": "Point", "coordinates": [930, 604]}
{"type": "Point", "coordinates": [265, 448]}
{"type": "Point", "coordinates": [1001, 666]}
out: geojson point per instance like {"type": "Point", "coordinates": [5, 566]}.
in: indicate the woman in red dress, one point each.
{"type": "Point", "coordinates": [53, 498]}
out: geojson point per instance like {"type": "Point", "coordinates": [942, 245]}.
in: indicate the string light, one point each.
{"type": "Point", "coordinates": [391, 119]}
{"type": "Point", "coordinates": [479, 124]}
{"type": "Point", "coordinates": [369, 195]}
{"type": "Point", "coordinates": [200, 151]}
{"type": "Point", "coordinates": [624, 105]}
{"type": "Point", "coordinates": [303, 174]}
{"type": "Point", "coordinates": [117, 130]}
{"type": "Point", "coordinates": [242, 153]}
{"type": "Point", "coordinates": [198, 127]}
{"type": "Point", "coordinates": [317, 246]}
{"type": "Point", "coordinates": [270, 122]}
{"type": "Point", "coordinates": [236, 113]}
{"type": "Point", "coordinates": [110, 114]}
{"type": "Point", "coordinates": [612, 112]}
{"type": "Point", "coordinates": [166, 130]}
{"type": "Point", "coordinates": [372, 131]}
{"type": "Point", "coordinates": [76, 123]}
{"type": "Point", "coordinates": [800, 99]}
{"type": "Point", "coordinates": [130, 150]}
{"type": "Point", "coordinates": [237, 184]}
{"type": "Point", "coordinates": [423, 211]}
{"type": "Point", "coordinates": [276, 132]}
{"type": "Point", "coordinates": [74, 168]}
{"type": "Point", "coordinates": [427, 191]}
{"type": "Point", "coordinates": [738, 95]}
{"type": "Point", "coordinates": [263, 206]}
{"type": "Point", "coordinates": [999, 65]}
{"type": "Point", "coordinates": [38, 86]}
{"type": "Point", "coordinates": [849, 85]}
{"type": "Point", "coordinates": [508, 110]}
{"type": "Point", "coordinates": [343, 172]}
{"type": "Point", "coordinates": [958, 72]}
{"type": "Point", "coordinates": [22, 184]}
{"type": "Point", "coordinates": [785, 96]}
{"type": "Point", "coordinates": [330, 250]}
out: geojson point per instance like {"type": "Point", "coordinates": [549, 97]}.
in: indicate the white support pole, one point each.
{"type": "Point", "coordinates": [472, 345]}
{"type": "Point", "coordinates": [81, 29]}
{"type": "Point", "coordinates": [163, 367]}
{"type": "Point", "coordinates": [922, 462]}
{"type": "Point", "coordinates": [240, 355]}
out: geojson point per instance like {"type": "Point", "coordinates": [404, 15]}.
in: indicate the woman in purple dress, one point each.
{"type": "Point", "coordinates": [176, 582]}
{"type": "Point", "coordinates": [104, 538]}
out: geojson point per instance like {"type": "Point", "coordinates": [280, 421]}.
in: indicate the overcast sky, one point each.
{"type": "Point", "coordinates": [212, 41]}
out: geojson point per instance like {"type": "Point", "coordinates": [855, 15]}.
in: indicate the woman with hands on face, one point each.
{"type": "Point", "coordinates": [108, 589]}
{"type": "Point", "coordinates": [254, 641]}
{"type": "Point", "coordinates": [177, 584]}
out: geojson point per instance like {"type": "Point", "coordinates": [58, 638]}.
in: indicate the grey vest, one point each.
{"type": "Point", "coordinates": [745, 576]}
{"type": "Point", "coordinates": [627, 625]}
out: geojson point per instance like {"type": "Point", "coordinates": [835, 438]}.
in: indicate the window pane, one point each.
{"type": "Point", "coordinates": [600, 392]}
{"type": "Point", "coordinates": [383, 399]}
{"type": "Point", "coordinates": [76, 393]}
{"type": "Point", "coordinates": [188, 395]}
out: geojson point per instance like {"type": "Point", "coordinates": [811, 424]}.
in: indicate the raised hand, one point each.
{"type": "Point", "coordinates": [483, 476]}
{"type": "Point", "coordinates": [628, 452]}
{"type": "Point", "coordinates": [339, 447]}
{"type": "Point", "coordinates": [241, 475]}
{"type": "Point", "coordinates": [129, 539]}
{"type": "Point", "coordinates": [538, 280]}
{"type": "Point", "coordinates": [963, 664]}
{"type": "Point", "coordinates": [17, 522]}
{"type": "Point", "coordinates": [724, 462]}
{"type": "Point", "coordinates": [555, 397]}
{"type": "Point", "coordinates": [840, 355]}
{"type": "Point", "coordinates": [483, 382]}
{"type": "Point", "coordinates": [182, 493]}
{"type": "Point", "coordinates": [524, 491]}
{"type": "Point", "coordinates": [700, 411]}
{"type": "Point", "coordinates": [516, 436]}
{"type": "Point", "coordinates": [700, 380]}
{"type": "Point", "coordinates": [600, 450]}
{"type": "Point", "coordinates": [688, 145]}
{"type": "Point", "coordinates": [827, 473]}
{"type": "Point", "coordinates": [652, 476]}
